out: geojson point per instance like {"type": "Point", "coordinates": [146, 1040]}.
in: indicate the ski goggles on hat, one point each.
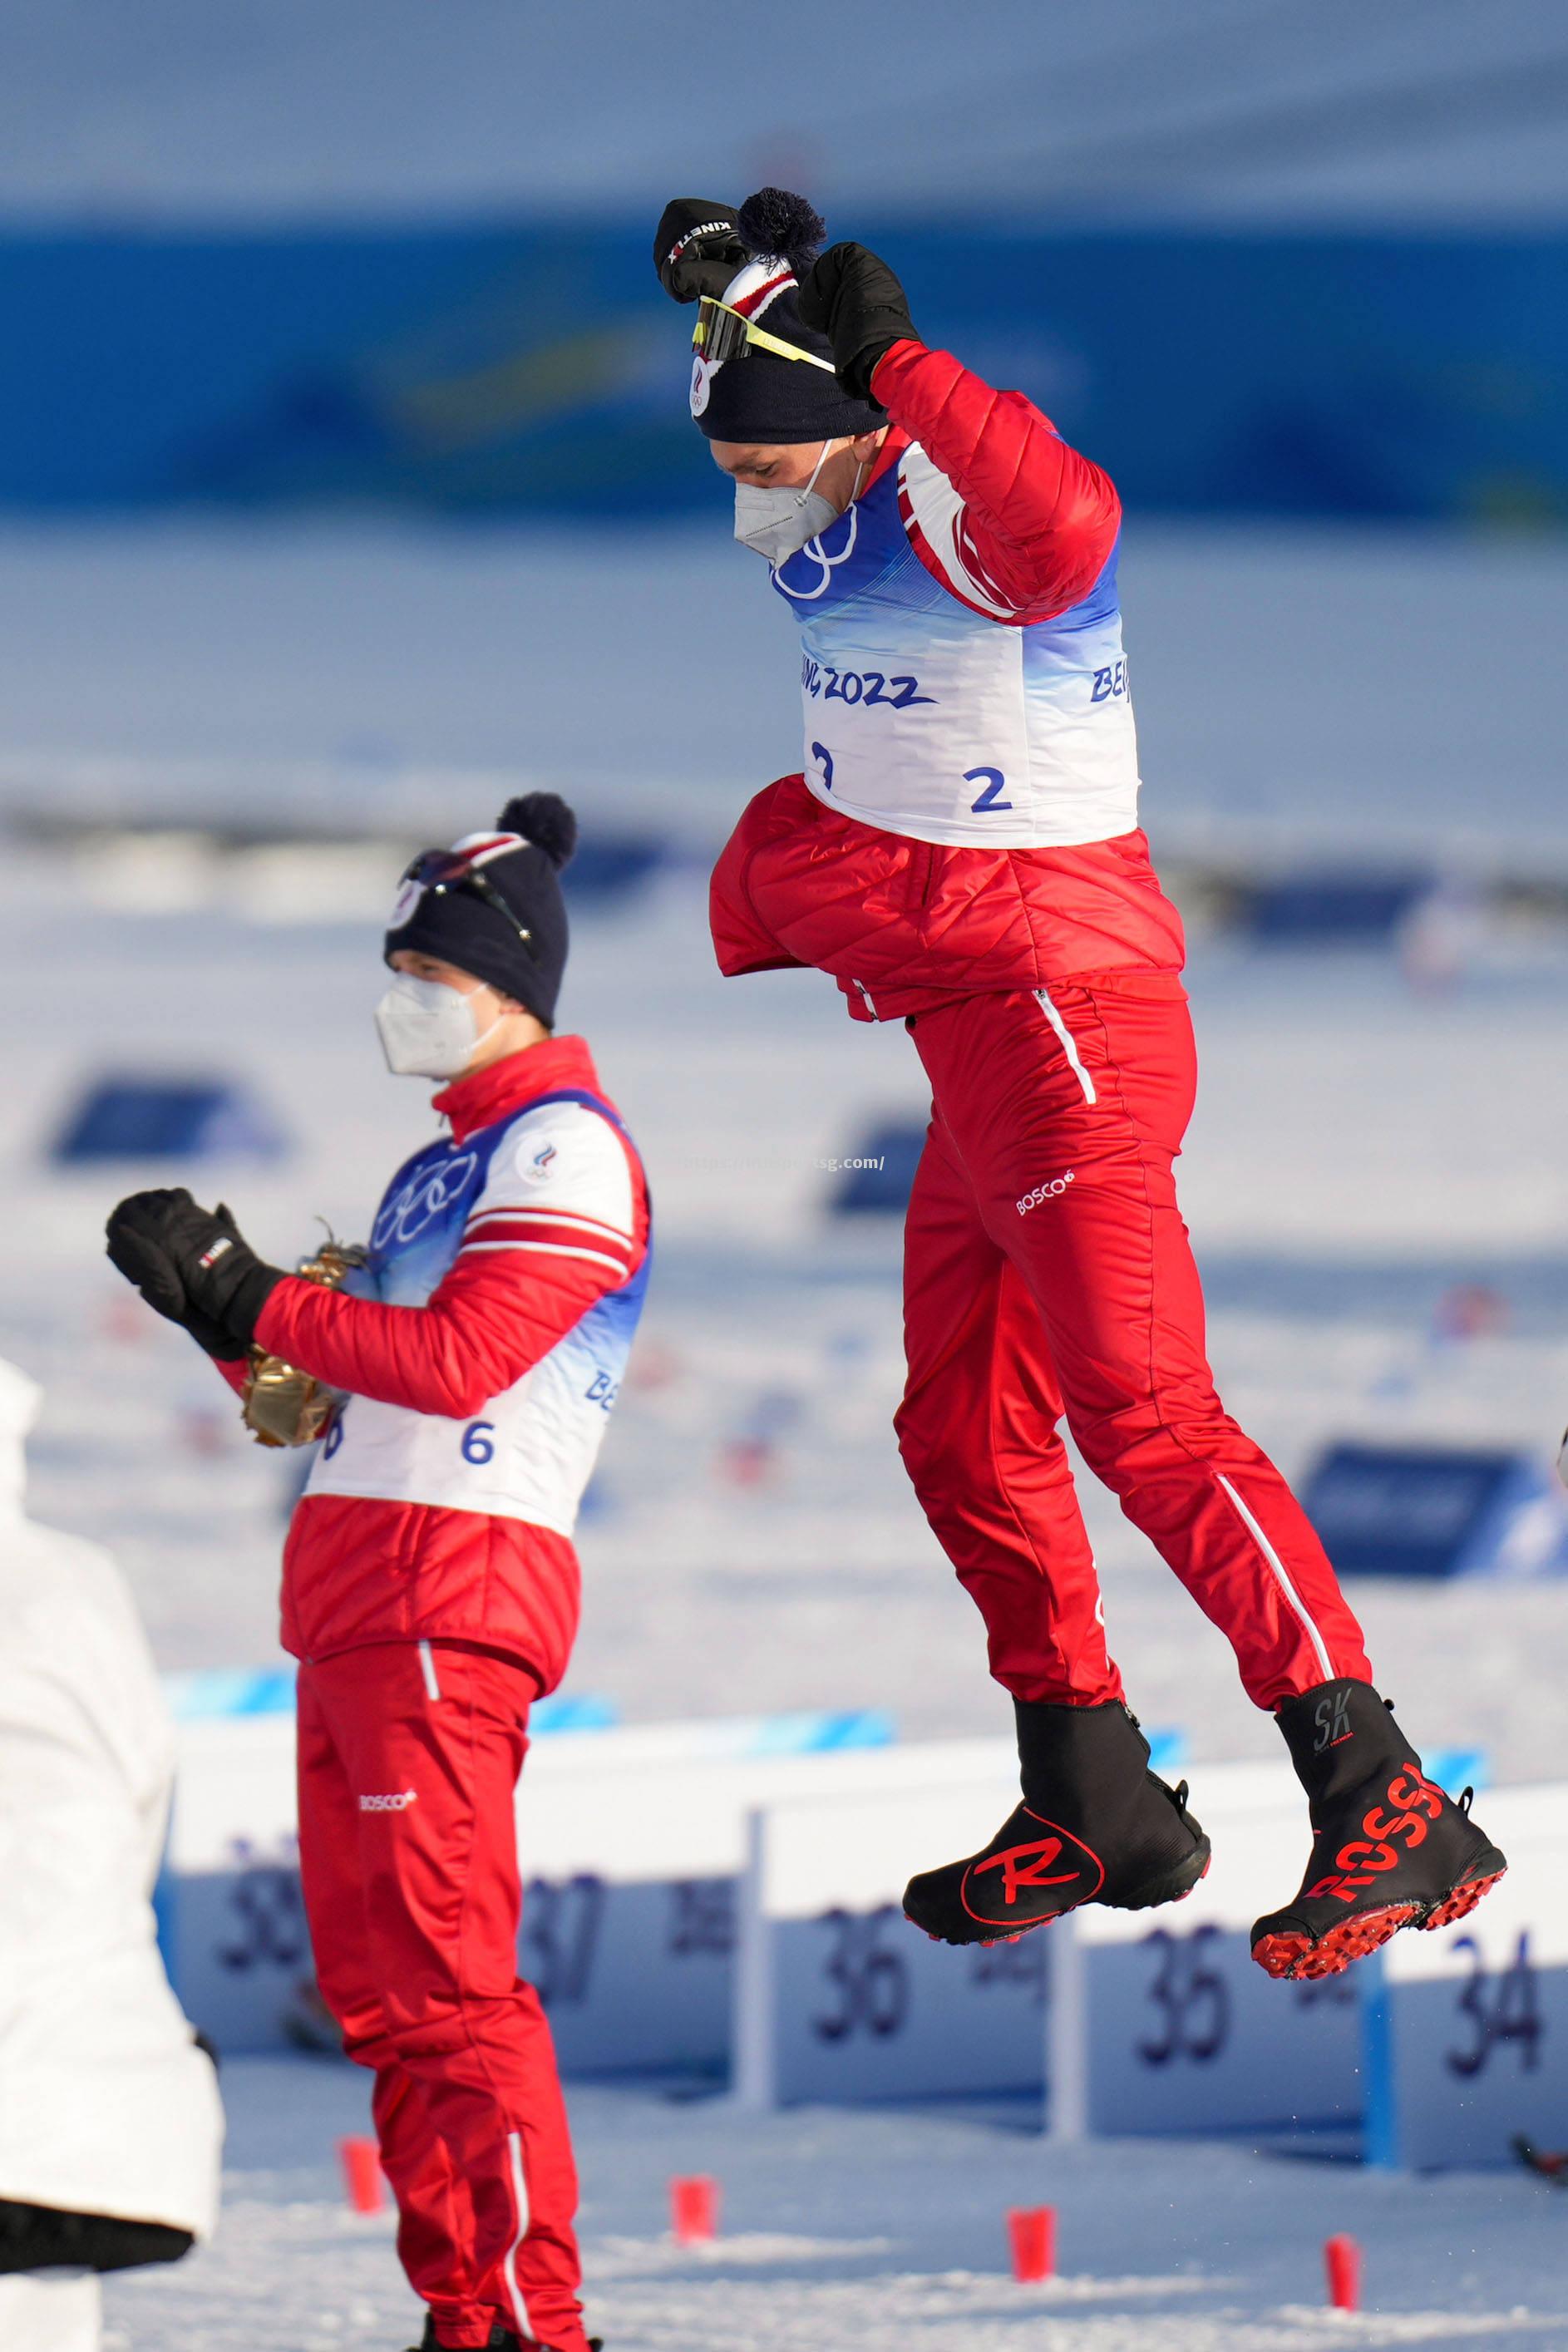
{"type": "Point", "coordinates": [443, 871]}
{"type": "Point", "coordinates": [722, 334]}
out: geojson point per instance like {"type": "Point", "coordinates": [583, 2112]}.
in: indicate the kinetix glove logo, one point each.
{"type": "Point", "coordinates": [703, 229]}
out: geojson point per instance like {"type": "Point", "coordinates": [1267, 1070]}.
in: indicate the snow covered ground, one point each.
{"type": "Point", "coordinates": [877, 2231]}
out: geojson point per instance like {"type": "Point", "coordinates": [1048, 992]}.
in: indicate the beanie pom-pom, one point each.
{"type": "Point", "coordinates": [781, 226]}
{"type": "Point", "coordinates": [544, 819]}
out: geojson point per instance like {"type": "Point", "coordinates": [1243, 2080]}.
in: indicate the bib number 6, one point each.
{"type": "Point", "coordinates": [478, 1442]}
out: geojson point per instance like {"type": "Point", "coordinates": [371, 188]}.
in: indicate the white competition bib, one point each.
{"type": "Point", "coordinates": [928, 711]}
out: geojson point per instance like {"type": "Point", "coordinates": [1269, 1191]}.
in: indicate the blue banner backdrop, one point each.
{"type": "Point", "coordinates": [534, 369]}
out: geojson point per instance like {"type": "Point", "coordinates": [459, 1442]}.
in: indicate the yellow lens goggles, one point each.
{"type": "Point", "coordinates": [723, 333]}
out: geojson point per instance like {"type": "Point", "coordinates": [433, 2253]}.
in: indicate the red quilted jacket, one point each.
{"type": "Point", "coordinates": [534, 1247]}
{"type": "Point", "coordinates": [900, 924]}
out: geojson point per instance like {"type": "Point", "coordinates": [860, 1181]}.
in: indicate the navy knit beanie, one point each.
{"type": "Point", "coordinates": [759, 396]}
{"type": "Point", "coordinates": [521, 863]}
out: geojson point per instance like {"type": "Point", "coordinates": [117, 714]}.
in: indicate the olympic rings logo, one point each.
{"type": "Point", "coordinates": [429, 1195]}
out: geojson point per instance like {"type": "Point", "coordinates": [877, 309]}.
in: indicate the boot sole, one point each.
{"type": "Point", "coordinates": [1302, 1958]}
{"type": "Point", "coordinates": [1175, 1887]}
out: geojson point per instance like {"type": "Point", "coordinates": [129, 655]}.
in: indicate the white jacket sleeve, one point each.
{"type": "Point", "coordinates": [106, 2104]}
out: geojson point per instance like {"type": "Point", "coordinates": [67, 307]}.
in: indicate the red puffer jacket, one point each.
{"type": "Point", "coordinates": [903, 924]}
{"type": "Point", "coordinates": [509, 1260]}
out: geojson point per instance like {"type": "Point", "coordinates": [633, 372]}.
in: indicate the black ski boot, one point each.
{"type": "Point", "coordinates": [1095, 1826]}
{"type": "Point", "coordinates": [1390, 1849]}
{"type": "Point", "coordinates": [502, 2340]}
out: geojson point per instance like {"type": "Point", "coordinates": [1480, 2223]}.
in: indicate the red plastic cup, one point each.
{"type": "Point", "coordinates": [362, 2176]}
{"type": "Point", "coordinates": [1032, 2233]}
{"type": "Point", "coordinates": [1341, 2258]}
{"type": "Point", "coordinates": [694, 2209]}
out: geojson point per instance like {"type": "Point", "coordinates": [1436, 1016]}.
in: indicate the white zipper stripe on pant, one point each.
{"type": "Point", "coordinates": [1282, 1579]}
{"type": "Point", "coordinates": [508, 2268]}
{"type": "Point", "coordinates": [1069, 1043]}
{"type": "Point", "coordinates": [428, 1668]}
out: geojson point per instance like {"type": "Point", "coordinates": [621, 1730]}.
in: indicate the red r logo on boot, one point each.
{"type": "Point", "coordinates": [1025, 1891]}
{"type": "Point", "coordinates": [1045, 1851]}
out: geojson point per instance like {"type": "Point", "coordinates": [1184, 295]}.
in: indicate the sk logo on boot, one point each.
{"type": "Point", "coordinates": [1332, 1717]}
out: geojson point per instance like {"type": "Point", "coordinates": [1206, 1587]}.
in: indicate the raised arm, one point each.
{"type": "Point", "coordinates": [1040, 519]}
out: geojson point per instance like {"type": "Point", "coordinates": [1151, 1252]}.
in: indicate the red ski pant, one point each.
{"type": "Point", "coordinates": [1049, 1278]}
{"type": "Point", "coordinates": [409, 1755]}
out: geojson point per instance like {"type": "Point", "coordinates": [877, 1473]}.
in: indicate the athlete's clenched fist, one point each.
{"type": "Point", "coordinates": [696, 248]}
{"type": "Point", "coordinates": [852, 297]}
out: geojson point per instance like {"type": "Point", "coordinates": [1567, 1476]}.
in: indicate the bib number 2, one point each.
{"type": "Point", "coordinates": [994, 783]}
{"type": "Point", "coordinates": [987, 801]}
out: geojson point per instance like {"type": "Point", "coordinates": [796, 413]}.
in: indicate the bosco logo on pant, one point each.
{"type": "Point", "coordinates": [1052, 1189]}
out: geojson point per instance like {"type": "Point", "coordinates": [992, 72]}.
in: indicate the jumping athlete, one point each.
{"type": "Point", "coordinates": [430, 1587]}
{"type": "Point", "coordinates": [961, 853]}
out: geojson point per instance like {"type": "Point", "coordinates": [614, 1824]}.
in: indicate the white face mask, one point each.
{"type": "Point", "coordinates": [776, 522]}
{"type": "Point", "coordinates": [428, 1030]}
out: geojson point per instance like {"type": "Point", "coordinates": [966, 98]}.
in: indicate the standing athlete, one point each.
{"type": "Point", "coordinates": [961, 852]}
{"type": "Point", "coordinates": [430, 1587]}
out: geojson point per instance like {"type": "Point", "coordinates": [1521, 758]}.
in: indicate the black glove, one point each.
{"type": "Point", "coordinates": [192, 1265]}
{"type": "Point", "coordinates": [696, 248]}
{"type": "Point", "coordinates": [147, 1266]}
{"type": "Point", "coordinates": [853, 297]}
